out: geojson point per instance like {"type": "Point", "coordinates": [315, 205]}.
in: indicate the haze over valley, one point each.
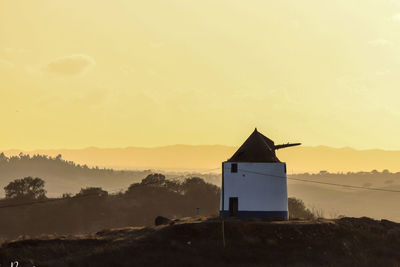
{"type": "Point", "coordinates": [63, 176]}
{"type": "Point", "coordinates": [208, 158]}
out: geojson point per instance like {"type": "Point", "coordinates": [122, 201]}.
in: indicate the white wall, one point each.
{"type": "Point", "coordinates": [255, 186]}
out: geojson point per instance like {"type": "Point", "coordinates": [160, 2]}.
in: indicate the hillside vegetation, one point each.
{"type": "Point", "coordinates": [93, 208]}
{"type": "Point", "coordinates": [64, 176]}
{"type": "Point", "coordinates": [29, 212]}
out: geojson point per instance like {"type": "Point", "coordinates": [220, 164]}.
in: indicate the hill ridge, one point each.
{"type": "Point", "coordinates": [198, 242]}
{"type": "Point", "coordinates": [181, 157]}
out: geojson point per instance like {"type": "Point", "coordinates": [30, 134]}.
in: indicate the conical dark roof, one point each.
{"type": "Point", "coordinates": [257, 148]}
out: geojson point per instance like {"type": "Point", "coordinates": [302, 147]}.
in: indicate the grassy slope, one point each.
{"type": "Point", "coordinates": [343, 242]}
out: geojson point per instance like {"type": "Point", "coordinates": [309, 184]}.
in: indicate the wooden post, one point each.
{"type": "Point", "coordinates": [223, 232]}
{"type": "Point", "coordinates": [223, 191]}
{"type": "Point", "coordinates": [223, 206]}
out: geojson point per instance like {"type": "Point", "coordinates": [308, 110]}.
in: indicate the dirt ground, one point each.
{"type": "Point", "coordinates": [199, 242]}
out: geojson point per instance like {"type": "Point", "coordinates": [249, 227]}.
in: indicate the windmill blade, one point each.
{"type": "Point", "coordinates": [286, 145]}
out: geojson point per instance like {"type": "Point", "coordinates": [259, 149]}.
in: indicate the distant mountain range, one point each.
{"type": "Point", "coordinates": [208, 158]}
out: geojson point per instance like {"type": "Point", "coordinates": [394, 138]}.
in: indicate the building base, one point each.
{"type": "Point", "coordinates": [272, 215]}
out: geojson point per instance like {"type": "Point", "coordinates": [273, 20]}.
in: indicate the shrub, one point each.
{"type": "Point", "coordinates": [297, 209]}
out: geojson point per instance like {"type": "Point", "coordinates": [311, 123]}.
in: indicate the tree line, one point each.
{"type": "Point", "coordinates": [26, 161]}
{"type": "Point", "coordinates": [27, 211]}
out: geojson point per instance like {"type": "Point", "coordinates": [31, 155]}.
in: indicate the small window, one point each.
{"type": "Point", "coordinates": [234, 167]}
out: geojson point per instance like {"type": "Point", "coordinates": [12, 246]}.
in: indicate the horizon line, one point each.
{"type": "Point", "coordinates": [188, 145]}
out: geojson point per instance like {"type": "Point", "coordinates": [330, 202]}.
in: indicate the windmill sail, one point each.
{"type": "Point", "coordinates": [286, 145]}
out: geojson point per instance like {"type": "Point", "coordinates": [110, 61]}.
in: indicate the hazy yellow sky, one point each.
{"type": "Point", "coordinates": [148, 73]}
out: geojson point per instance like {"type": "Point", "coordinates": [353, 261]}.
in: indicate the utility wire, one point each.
{"type": "Point", "coordinates": [324, 183]}
{"type": "Point", "coordinates": [182, 176]}
{"type": "Point", "coordinates": [347, 186]}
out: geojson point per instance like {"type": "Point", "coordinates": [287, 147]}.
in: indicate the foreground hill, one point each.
{"type": "Point", "coordinates": [205, 157]}
{"type": "Point", "coordinates": [198, 242]}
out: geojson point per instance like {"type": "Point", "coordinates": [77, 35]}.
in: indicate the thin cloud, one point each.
{"type": "Point", "coordinates": [127, 70]}
{"type": "Point", "coordinates": [380, 43]}
{"type": "Point", "coordinates": [157, 44]}
{"type": "Point", "coordinates": [383, 72]}
{"type": "Point", "coordinates": [396, 17]}
{"type": "Point", "coordinates": [70, 65]}
{"type": "Point", "coordinates": [6, 64]}
{"type": "Point", "coordinates": [11, 50]}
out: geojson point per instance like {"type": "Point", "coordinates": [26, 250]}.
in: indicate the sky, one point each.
{"type": "Point", "coordinates": [151, 73]}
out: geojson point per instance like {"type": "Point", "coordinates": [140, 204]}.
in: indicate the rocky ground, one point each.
{"type": "Point", "coordinates": [199, 242]}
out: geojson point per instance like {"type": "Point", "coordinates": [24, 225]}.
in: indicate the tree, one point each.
{"type": "Point", "coordinates": [26, 188]}
{"type": "Point", "coordinates": [154, 179]}
{"type": "Point", "coordinates": [200, 194]}
{"type": "Point", "coordinates": [66, 195]}
{"type": "Point", "coordinates": [197, 186]}
{"type": "Point", "coordinates": [297, 209]}
{"type": "Point", "coordinates": [3, 157]}
{"type": "Point", "coordinates": [323, 172]}
{"type": "Point", "coordinates": [153, 183]}
{"type": "Point", "coordinates": [92, 191]}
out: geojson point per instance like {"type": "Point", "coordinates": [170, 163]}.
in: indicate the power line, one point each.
{"type": "Point", "coordinates": [325, 183]}
{"type": "Point", "coordinates": [265, 174]}
{"type": "Point", "coordinates": [347, 186]}
{"type": "Point", "coordinates": [183, 176]}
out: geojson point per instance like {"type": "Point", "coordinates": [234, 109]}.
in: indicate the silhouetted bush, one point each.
{"type": "Point", "coordinates": [27, 188]}
{"type": "Point", "coordinates": [92, 191]}
{"type": "Point", "coordinates": [297, 209]}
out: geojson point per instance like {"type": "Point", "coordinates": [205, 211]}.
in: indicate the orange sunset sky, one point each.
{"type": "Point", "coordinates": [150, 73]}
